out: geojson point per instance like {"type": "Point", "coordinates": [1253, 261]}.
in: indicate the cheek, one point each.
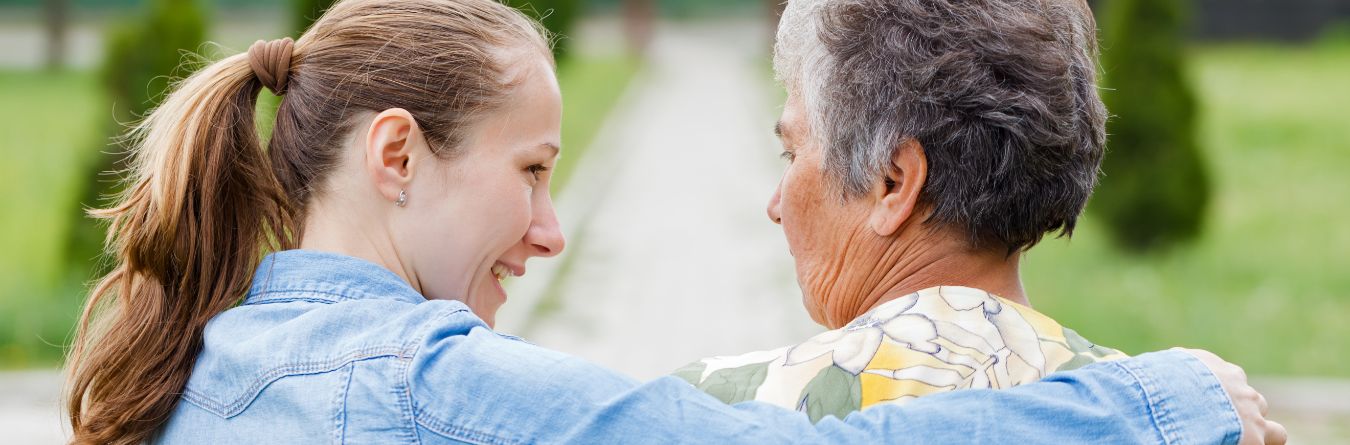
{"type": "Point", "coordinates": [465, 226]}
{"type": "Point", "coordinates": [505, 213]}
{"type": "Point", "coordinates": [815, 226]}
{"type": "Point", "coordinates": [802, 207]}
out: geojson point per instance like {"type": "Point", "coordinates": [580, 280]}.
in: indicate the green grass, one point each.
{"type": "Point", "coordinates": [49, 130]}
{"type": "Point", "coordinates": [590, 87]}
{"type": "Point", "coordinates": [1268, 284]}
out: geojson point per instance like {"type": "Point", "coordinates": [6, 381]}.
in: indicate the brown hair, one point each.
{"type": "Point", "coordinates": [205, 201]}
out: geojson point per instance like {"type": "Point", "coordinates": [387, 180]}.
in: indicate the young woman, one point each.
{"type": "Point", "coordinates": [339, 286]}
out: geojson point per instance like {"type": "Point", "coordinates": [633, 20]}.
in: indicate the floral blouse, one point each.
{"type": "Point", "coordinates": [935, 340]}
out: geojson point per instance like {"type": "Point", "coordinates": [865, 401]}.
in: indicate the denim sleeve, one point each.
{"type": "Point", "coordinates": [1163, 397]}
{"type": "Point", "coordinates": [482, 388]}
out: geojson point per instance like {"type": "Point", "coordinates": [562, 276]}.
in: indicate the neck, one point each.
{"type": "Point", "coordinates": [934, 258]}
{"type": "Point", "coordinates": [326, 231]}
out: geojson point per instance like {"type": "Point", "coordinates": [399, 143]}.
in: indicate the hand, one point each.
{"type": "Point", "coordinates": [1251, 405]}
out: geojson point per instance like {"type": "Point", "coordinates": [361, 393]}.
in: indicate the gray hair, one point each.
{"type": "Point", "coordinates": [1001, 94]}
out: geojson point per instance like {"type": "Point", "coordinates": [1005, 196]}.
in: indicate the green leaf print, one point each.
{"type": "Point", "coordinates": [1084, 352]}
{"type": "Point", "coordinates": [833, 392]}
{"type": "Point", "coordinates": [691, 372]}
{"type": "Point", "coordinates": [734, 385]}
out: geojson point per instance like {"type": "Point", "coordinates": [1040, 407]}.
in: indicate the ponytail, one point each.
{"type": "Point", "coordinates": [202, 207]}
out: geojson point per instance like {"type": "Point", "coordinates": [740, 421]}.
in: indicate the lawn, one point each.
{"type": "Point", "coordinates": [590, 87]}
{"type": "Point", "coordinates": [49, 128]}
{"type": "Point", "coordinates": [1267, 285]}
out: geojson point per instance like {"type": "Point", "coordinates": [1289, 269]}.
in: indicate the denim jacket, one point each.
{"type": "Point", "coordinates": [332, 349]}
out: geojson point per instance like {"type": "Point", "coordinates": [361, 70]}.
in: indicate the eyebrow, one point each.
{"type": "Point", "coordinates": [778, 129]}
{"type": "Point", "coordinates": [557, 151]}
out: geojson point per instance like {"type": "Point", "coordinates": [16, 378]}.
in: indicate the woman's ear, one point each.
{"type": "Point", "coordinates": [896, 194]}
{"type": "Point", "coordinates": [391, 152]}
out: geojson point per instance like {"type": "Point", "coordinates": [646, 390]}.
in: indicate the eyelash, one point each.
{"type": "Point", "coordinates": [788, 156]}
{"type": "Point", "coordinates": [536, 169]}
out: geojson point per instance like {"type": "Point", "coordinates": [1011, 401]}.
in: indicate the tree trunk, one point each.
{"type": "Point", "coordinates": [639, 16]}
{"type": "Point", "coordinates": [56, 14]}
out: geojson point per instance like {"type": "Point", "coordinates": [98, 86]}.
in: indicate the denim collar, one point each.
{"type": "Point", "coordinates": [308, 275]}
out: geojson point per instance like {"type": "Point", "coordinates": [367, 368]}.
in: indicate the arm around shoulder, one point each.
{"type": "Point", "coordinates": [483, 387]}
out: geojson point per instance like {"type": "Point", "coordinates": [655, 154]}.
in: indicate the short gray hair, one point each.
{"type": "Point", "coordinates": [1001, 94]}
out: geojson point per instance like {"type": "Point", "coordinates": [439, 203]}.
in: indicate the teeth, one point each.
{"type": "Point", "coordinates": [501, 272]}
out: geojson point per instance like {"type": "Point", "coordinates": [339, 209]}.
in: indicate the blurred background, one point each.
{"type": "Point", "coordinates": [1222, 223]}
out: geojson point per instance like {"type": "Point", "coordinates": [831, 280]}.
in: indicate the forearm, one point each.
{"type": "Point", "coordinates": [483, 386]}
{"type": "Point", "coordinates": [1165, 397]}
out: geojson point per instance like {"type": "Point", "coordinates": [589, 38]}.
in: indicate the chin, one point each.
{"type": "Point", "coordinates": [486, 302]}
{"type": "Point", "coordinates": [812, 309]}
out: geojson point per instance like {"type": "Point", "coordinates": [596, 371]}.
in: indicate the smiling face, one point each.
{"type": "Point", "coordinates": [476, 217]}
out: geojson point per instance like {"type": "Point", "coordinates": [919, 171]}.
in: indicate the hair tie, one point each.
{"type": "Point", "coordinates": [271, 63]}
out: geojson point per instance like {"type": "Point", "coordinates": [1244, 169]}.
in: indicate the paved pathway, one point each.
{"type": "Point", "coordinates": [674, 258]}
{"type": "Point", "coordinates": [30, 408]}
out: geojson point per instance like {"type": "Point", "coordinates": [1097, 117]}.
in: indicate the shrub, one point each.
{"type": "Point", "coordinates": [305, 12]}
{"type": "Point", "coordinates": [556, 15]}
{"type": "Point", "coordinates": [142, 56]}
{"type": "Point", "coordinates": [1155, 189]}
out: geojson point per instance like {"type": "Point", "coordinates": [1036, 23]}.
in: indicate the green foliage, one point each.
{"type": "Point", "coordinates": [1336, 35]}
{"type": "Point", "coordinates": [305, 12]}
{"type": "Point", "coordinates": [142, 55]}
{"type": "Point", "coordinates": [47, 120]}
{"type": "Point", "coordinates": [1156, 188]}
{"type": "Point", "coordinates": [590, 86]}
{"type": "Point", "coordinates": [556, 15]}
{"type": "Point", "coordinates": [141, 59]}
{"type": "Point", "coordinates": [1265, 286]}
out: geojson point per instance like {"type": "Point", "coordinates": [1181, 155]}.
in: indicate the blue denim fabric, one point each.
{"type": "Point", "coordinates": [329, 348]}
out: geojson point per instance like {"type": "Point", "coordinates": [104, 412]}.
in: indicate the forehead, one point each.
{"type": "Point", "coordinates": [529, 119]}
{"type": "Point", "coordinates": [792, 122]}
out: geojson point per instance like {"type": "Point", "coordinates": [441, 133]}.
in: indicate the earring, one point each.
{"type": "Point", "coordinates": [402, 198]}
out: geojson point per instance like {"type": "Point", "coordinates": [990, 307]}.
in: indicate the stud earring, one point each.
{"type": "Point", "coordinates": [402, 198]}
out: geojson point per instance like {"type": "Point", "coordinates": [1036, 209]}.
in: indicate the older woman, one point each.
{"type": "Point", "coordinates": [929, 144]}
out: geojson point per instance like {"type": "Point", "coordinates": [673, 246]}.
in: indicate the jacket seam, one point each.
{"type": "Point", "coordinates": [1153, 408]}
{"type": "Point", "coordinates": [290, 300]}
{"type": "Point", "coordinates": [430, 422]}
{"type": "Point", "coordinates": [236, 406]}
{"type": "Point", "coordinates": [1232, 412]}
{"type": "Point", "coordinates": [406, 412]}
{"type": "Point", "coordinates": [267, 296]}
{"type": "Point", "coordinates": [461, 433]}
{"type": "Point", "coordinates": [340, 413]}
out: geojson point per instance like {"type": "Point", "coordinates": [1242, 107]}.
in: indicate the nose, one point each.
{"type": "Point", "coordinates": [545, 233]}
{"type": "Point", "coordinates": [775, 213]}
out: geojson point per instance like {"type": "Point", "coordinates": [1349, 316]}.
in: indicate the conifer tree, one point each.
{"type": "Point", "coordinates": [1155, 190]}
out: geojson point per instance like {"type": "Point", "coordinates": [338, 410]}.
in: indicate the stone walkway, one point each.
{"type": "Point", "coordinates": [30, 408]}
